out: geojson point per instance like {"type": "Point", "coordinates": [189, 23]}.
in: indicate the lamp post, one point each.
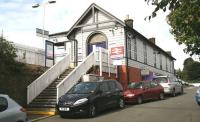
{"type": "Point", "coordinates": [43, 19]}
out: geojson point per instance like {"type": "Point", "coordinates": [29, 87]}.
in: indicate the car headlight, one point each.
{"type": "Point", "coordinates": [198, 91]}
{"type": "Point", "coordinates": [130, 95]}
{"type": "Point", "coordinates": [81, 101]}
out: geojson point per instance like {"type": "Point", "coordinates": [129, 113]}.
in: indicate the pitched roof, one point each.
{"type": "Point", "coordinates": [92, 6]}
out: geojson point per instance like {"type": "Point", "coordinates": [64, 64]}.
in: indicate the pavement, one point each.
{"type": "Point", "coordinates": [34, 117]}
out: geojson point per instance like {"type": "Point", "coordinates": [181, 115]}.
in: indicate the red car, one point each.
{"type": "Point", "coordinates": [141, 91]}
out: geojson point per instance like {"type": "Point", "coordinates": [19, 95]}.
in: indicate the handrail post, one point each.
{"type": "Point", "coordinates": [100, 61]}
{"type": "Point", "coordinates": [95, 53]}
{"type": "Point", "coordinates": [108, 54]}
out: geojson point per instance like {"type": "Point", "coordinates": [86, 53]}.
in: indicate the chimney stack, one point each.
{"type": "Point", "coordinates": [128, 22]}
{"type": "Point", "coordinates": [152, 40]}
{"type": "Point", "coordinates": [169, 52]}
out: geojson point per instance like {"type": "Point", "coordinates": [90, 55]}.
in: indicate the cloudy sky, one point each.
{"type": "Point", "coordinates": [18, 21]}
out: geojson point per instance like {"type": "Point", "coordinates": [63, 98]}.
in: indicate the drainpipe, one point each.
{"type": "Point", "coordinates": [75, 52]}
{"type": "Point", "coordinates": [126, 56]}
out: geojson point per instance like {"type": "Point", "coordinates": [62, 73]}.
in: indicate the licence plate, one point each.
{"type": "Point", "coordinates": [63, 109]}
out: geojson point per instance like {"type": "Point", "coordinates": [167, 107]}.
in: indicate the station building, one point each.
{"type": "Point", "coordinates": [135, 56]}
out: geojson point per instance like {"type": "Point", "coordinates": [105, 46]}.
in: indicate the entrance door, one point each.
{"type": "Point", "coordinates": [97, 39]}
{"type": "Point", "coordinates": [90, 46]}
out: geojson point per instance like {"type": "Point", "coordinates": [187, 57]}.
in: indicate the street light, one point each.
{"type": "Point", "coordinates": [43, 5]}
{"type": "Point", "coordinates": [43, 23]}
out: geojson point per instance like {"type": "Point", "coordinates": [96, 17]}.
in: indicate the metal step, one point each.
{"type": "Point", "coordinates": [43, 103]}
{"type": "Point", "coordinates": [41, 106]}
{"type": "Point", "coordinates": [44, 100]}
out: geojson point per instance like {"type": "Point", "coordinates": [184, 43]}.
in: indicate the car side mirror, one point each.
{"type": "Point", "coordinates": [3, 107]}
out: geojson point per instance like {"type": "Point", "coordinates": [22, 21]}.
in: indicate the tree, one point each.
{"type": "Point", "coordinates": [191, 70]}
{"type": "Point", "coordinates": [7, 56]}
{"type": "Point", "coordinates": [184, 19]}
{"type": "Point", "coordinates": [179, 74]}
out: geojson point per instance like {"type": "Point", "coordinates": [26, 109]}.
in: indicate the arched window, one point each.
{"type": "Point", "coordinates": [97, 39]}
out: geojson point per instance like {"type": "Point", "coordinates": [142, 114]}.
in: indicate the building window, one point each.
{"type": "Point", "coordinates": [154, 53]}
{"type": "Point", "coordinates": [160, 61]}
{"type": "Point", "coordinates": [166, 64]}
{"type": "Point", "coordinates": [129, 46]}
{"type": "Point", "coordinates": [145, 52]}
{"type": "Point", "coordinates": [135, 48]}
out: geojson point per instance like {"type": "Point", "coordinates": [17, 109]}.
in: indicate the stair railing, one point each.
{"type": "Point", "coordinates": [104, 61]}
{"type": "Point", "coordinates": [42, 82]}
{"type": "Point", "coordinates": [75, 75]}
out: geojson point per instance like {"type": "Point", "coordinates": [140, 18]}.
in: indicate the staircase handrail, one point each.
{"type": "Point", "coordinates": [42, 82]}
{"type": "Point", "coordinates": [75, 75]}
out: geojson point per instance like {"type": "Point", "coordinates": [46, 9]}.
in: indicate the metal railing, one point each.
{"type": "Point", "coordinates": [75, 75]}
{"type": "Point", "coordinates": [37, 86]}
{"type": "Point", "coordinates": [104, 61]}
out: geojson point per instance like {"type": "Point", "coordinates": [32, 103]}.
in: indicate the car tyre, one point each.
{"type": "Point", "coordinates": [121, 103]}
{"type": "Point", "coordinates": [92, 111]}
{"type": "Point", "coordinates": [139, 100]}
{"type": "Point", "coordinates": [198, 103]}
{"type": "Point", "coordinates": [182, 91]}
{"type": "Point", "coordinates": [173, 93]}
{"type": "Point", "coordinates": [162, 96]}
{"type": "Point", "coordinates": [62, 115]}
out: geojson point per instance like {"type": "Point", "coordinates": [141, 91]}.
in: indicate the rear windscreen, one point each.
{"type": "Point", "coordinates": [161, 79]}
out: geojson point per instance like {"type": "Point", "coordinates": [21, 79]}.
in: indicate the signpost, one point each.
{"type": "Point", "coordinates": [117, 54]}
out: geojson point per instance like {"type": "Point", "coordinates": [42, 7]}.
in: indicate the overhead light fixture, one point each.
{"type": "Point", "coordinates": [52, 1]}
{"type": "Point", "coordinates": [36, 5]}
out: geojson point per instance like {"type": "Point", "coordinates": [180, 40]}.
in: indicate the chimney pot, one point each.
{"type": "Point", "coordinates": [128, 22]}
{"type": "Point", "coordinates": [153, 40]}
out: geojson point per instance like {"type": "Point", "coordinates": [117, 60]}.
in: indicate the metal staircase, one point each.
{"type": "Point", "coordinates": [46, 101]}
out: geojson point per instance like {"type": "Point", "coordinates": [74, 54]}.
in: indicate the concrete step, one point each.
{"type": "Point", "coordinates": [44, 100]}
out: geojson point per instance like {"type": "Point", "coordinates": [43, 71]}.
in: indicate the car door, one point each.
{"type": "Point", "coordinates": [105, 95]}
{"type": "Point", "coordinates": [114, 95]}
{"type": "Point", "coordinates": [178, 86]}
{"type": "Point", "coordinates": [155, 89]}
{"type": "Point", "coordinates": [146, 90]}
{"type": "Point", "coordinates": [5, 113]}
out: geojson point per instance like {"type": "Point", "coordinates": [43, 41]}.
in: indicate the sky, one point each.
{"type": "Point", "coordinates": [19, 21]}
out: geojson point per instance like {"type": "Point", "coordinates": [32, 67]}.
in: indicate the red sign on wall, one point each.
{"type": "Point", "coordinates": [117, 52]}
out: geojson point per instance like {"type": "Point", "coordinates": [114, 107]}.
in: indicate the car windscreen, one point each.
{"type": "Point", "coordinates": [83, 88]}
{"type": "Point", "coordinates": [160, 79]}
{"type": "Point", "coordinates": [135, 85]}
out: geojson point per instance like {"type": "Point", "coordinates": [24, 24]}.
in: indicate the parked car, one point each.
{"type": "Point", "coordinates": [198, 96]}
{"type": "Point", "coordinates": [10, 111]}
{"type": "Point", "coordinates": [88, 98]}
{"type": "Point", "coordinates": [171, 86]}
{"type": "Point", "coordinates": [140, 91]}
{"type": "Point", "coordinates": [183, 82]}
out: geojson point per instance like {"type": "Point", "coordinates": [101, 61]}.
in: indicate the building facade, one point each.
{"type": "Point", "coordinates": [136, 57]}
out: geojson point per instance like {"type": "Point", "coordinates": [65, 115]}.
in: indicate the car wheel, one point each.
{"type": "Point", "coordinates": [139, 100]}
{"type": "Point", "coordinates": [121, 103]}
{"type": "Point", "coordinates": [173, 93]}
{"type": "Point", "coordinates": [198, 103]}
{"type": "Point", "coordinates": [182, 91]}
{"type": "Point", "coordinates": [62, 116]}
{"type": "Point", "coordinates": [92, 111]}
{"type": "Point", "coordinates": [161, 96]}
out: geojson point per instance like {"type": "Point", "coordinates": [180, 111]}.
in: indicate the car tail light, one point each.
{"type": "Point", "coordinates": [23, 110]}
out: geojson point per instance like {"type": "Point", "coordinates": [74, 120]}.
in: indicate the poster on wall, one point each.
{"type": "Point", "coordinates": [49, 50]}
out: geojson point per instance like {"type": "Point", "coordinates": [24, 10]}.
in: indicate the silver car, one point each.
{"type": "Point", "coordinates": [10, 111]}
{"type": "Point", "coordinates": [170, 85]}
